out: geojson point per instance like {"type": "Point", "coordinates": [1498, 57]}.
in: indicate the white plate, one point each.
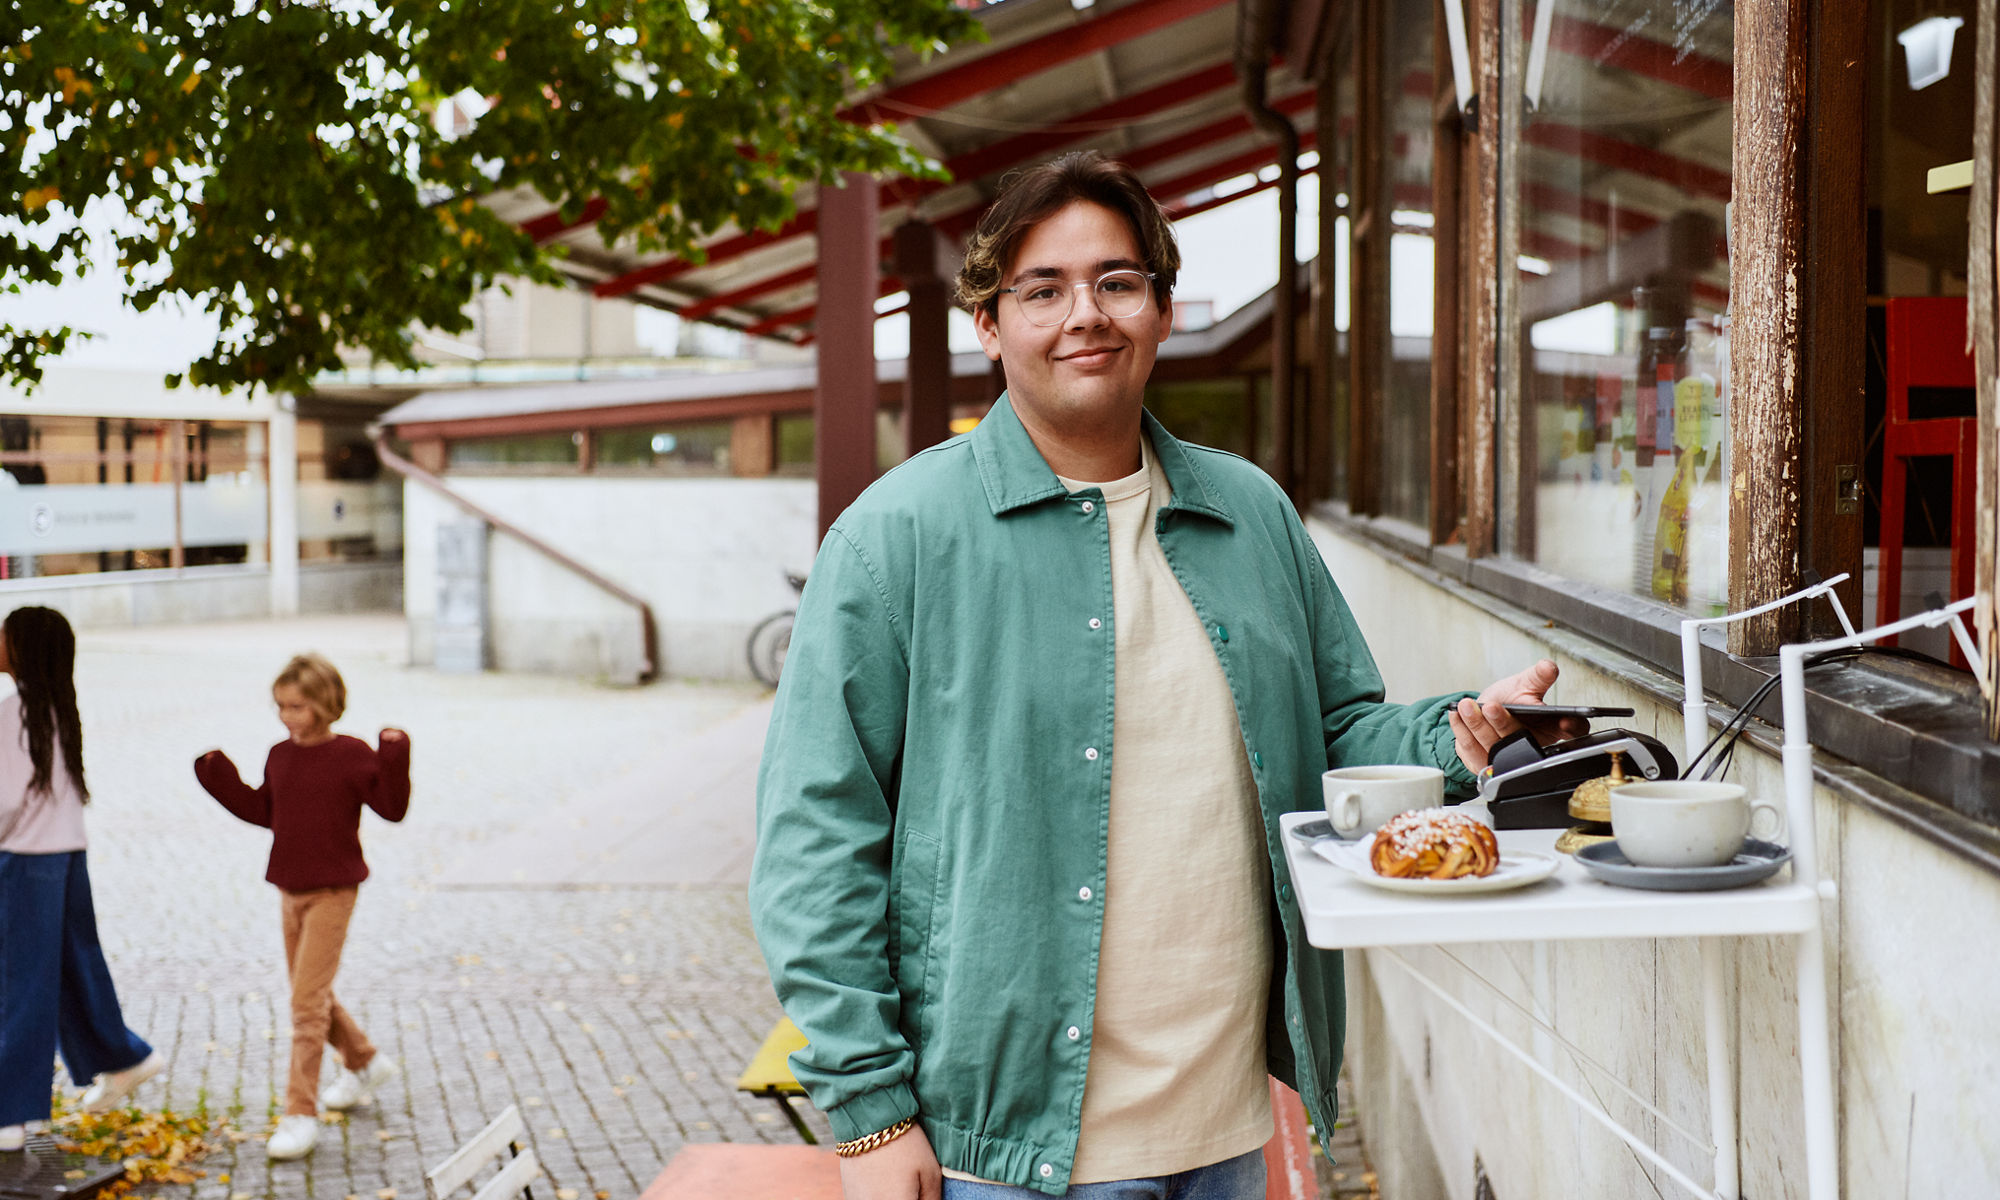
{"type": "Point", "coordinates": [1518, 868]}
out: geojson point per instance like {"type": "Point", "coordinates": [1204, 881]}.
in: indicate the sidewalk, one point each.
{"type": "Point", "coordinates": [560, 924]}
{"type": "Point", "coordinates": [614, 1000]}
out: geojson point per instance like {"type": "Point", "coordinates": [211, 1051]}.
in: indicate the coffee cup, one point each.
{"type": "Point", "coordinates": [1360, 798]}
{"type": "Point", "coordinates": [1684, 822]}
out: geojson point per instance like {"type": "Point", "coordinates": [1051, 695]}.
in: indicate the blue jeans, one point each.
{"type": "Point", "coordinates": [1239, 1178]}
{"type": "Point", "coordinates": [55, 990]}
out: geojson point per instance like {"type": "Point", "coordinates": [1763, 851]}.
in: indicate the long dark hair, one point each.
{"type": "Point", "coordinates": [41, 649]}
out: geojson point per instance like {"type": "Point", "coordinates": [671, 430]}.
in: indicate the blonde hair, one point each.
{"type": "Point", "coordinates": [318, 682]}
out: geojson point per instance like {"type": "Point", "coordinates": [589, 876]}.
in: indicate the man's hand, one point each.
{"type": "Point", "coordinates": [1477, 725]}
{"type": "Point", "coordinates": [904, 1169]}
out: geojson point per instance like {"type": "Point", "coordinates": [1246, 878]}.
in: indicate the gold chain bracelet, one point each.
{"type": "Point", "coordinates": [879, 1138]}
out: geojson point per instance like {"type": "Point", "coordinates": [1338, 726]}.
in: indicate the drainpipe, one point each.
{"type": "Point", "coordinates": [1255, 25]}
{"type": "Point", "coordinates": [648, 632]}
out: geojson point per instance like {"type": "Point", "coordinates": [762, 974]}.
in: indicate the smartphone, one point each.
{"type": "Point", "coordinates": [1590, 712]}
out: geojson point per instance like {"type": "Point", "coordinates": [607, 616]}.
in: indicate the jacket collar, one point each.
{"type": "Point", "coordinates": [1015, 475]}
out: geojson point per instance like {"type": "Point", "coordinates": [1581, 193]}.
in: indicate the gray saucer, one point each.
{"type": "Point", "coordinates": [1313, 831]}
{"type": "Point", "coordinates": [1757, 861]}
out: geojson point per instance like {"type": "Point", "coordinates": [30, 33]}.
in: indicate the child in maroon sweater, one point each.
{"type": "Point", "coordinates": [315, 785]}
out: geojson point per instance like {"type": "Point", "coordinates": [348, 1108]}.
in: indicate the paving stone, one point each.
{"type": "Point", "coordinates": [617, 1018]}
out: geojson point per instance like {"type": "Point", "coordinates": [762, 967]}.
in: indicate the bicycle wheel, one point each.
{"type": "Point", "coordinates": [767, 646]}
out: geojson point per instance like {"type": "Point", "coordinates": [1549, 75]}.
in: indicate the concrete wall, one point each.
{"type": "Point", "coordinates": [1917, 1057]}
{"type": "Point", "coordinates": [707, 554]}
{"type": "Point", "coordinates": [225, 593]}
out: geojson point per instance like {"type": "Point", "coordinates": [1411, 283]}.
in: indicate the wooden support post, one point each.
{"type": "Point", "coordinates": [1479, 299]}
{"type": "Point", "coordinates": [1448, 140]}
{"type": "Point", "coordinates": [1833, 316]}
{"type": "Point", "coordinates": [844, 400]}
{"type": "Point", "coordinates": [177, 434]}
{"type": "Point", "coordinates": [1368, 273]}
{"type": "Point", "coordinates": [1326, 382]}
{"type": "Point", "coordinates": [927, 382]}
{"type": "Point", "coordinates": [1766, 491]}
{"type": "Point", "coordinates": [1983, 288]}
{"type": "Point", "coordinates": [753, 446]}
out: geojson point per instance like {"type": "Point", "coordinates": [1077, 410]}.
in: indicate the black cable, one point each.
{"type": "Point", "coordinates": [1733, 728]}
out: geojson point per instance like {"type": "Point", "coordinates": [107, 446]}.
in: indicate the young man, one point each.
{"type": "Point", "coordinates": [1018, 876]}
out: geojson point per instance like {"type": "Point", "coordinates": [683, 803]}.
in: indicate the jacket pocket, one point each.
{"type": "Point", "coordinates": [916, 908]}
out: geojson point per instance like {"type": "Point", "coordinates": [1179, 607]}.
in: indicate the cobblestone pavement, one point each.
{"type": "Point", "coordinates": [618, 1019]}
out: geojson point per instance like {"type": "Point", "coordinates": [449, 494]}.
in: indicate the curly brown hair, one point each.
{"type": "Point", "coordinates": [1030, 196]}
{"type": "Point", "coordinates": [41, 652]}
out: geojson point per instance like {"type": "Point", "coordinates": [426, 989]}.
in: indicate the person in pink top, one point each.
{"type": "Point", "coordinates": [55, 989]}
{"type": "Point", "coordinates": [316, 782]}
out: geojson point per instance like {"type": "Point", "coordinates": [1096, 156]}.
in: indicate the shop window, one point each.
{"type": "Point", "coordinates": [1219, 413]}
{"type": "Point", "coordinates": [666, 450]}
{"type": "Point", "coordinates": [1408, 84]}
{"type": "Point", "coordinates": [795, 445]}
{"type": "Point", "coordinates": [1920, 118]}
{"type": "Point", "coordinates": [80, 495]}
{"type": "Point", "coordinates": [1620, 306]}
{"type": "Point", "coordinates": [529, 451]}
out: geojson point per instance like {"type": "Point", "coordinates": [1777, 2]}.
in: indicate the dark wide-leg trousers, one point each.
{"type": "Point", "coordinates": [55, 989]}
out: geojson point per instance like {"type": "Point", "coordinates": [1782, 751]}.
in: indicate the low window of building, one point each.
{"type": "Point", "coordinates": [529, 450]}
{"type": "Point", "coordinates": [668, 450]}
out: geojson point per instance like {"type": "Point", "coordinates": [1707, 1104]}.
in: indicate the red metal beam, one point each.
{"type": "Point", "coordinates": [957, 84]}
{"type": "Point", "coordinates": [959, 223]}
{"type": "Point", "coordinates": [552, 223]}
{"type": "Point", "coordinates": [1543, 197]}
{"type": "Point", "coordinates": [1012, 152]}
{"type": "Point", "coordinates": [805, 222]}
{"type": "Point", "coordinates": [1641, 56]}
{"type": "Point", "coordinates": [799, 316]}
{"type": "Point", "coordinates": [953, 224]}
{"type": "Point", "coordinates": [1629, 156]}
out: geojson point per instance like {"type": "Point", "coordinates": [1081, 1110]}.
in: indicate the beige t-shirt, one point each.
{"type": "Point", "coordinates": [1177, 1076]}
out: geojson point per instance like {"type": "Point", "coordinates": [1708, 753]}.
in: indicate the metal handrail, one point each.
{"type": "Point", "coordinates": [649, 631]}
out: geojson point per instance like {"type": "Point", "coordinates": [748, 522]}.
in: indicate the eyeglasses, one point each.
{"type": "Point", "coordinates": [1118, 294]}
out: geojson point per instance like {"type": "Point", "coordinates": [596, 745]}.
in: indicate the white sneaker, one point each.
{"type": "Point", "coordinates": [13, 1137]}
{"type": "Point", "coordinates": [112, 1088]}
{"type": "Point", "coordinates": [293, 1138]}
{"type": "Point", "coordinates": [354, 1089]}
{"type": "Point", "coordinates": [343, 1093]}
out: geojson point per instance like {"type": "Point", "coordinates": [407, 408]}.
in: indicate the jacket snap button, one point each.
{"type": "Point", "coordinates": [1088, 507]}
{"type": "Point", "coordinates": [1046, 1170]}
{"type": "Point", "coordinates": [1222, 633]}
{"type": "Point", "coordinates": [1256, 760]}
{"type": "Point", "coordinates": [1090, 753]}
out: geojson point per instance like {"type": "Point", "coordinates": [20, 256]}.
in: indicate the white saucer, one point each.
{"type": "Point", "coordinates": [1518, 868]}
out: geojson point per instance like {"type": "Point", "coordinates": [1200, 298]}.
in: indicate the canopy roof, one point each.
{"type": "Point", "coordinates": [1150, 82]}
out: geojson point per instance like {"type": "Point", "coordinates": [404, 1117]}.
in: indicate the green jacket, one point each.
{"type": "Point", "coordinates": [934, 796]}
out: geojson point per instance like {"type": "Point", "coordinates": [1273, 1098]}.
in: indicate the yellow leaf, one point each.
{"type": "Point", "coordinates": [561, 1193]}
{"type": "Point", "coordinates": [192, 82]}
{"type": "Point", "coordinates": [40, 198]}
{"type": "Point", "coordinates": [386, 1194]}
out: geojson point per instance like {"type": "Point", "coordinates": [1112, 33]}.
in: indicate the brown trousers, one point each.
{"type": "Point", "coordinates": [315, 932]}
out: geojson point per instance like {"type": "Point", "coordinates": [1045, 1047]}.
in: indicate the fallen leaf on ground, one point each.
{"type": "Point", "coordinates": [386, 1194]}
{"type": "Point", "coordinates": [154, 1147]}
{"type": "Point", "coordinates": [565, 1194]}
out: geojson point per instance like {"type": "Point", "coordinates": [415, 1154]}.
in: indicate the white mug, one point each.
{"type": "Point", "coordinates": [1685, 822]}
{"type": "Point", "coordinates": [1360, 798]}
